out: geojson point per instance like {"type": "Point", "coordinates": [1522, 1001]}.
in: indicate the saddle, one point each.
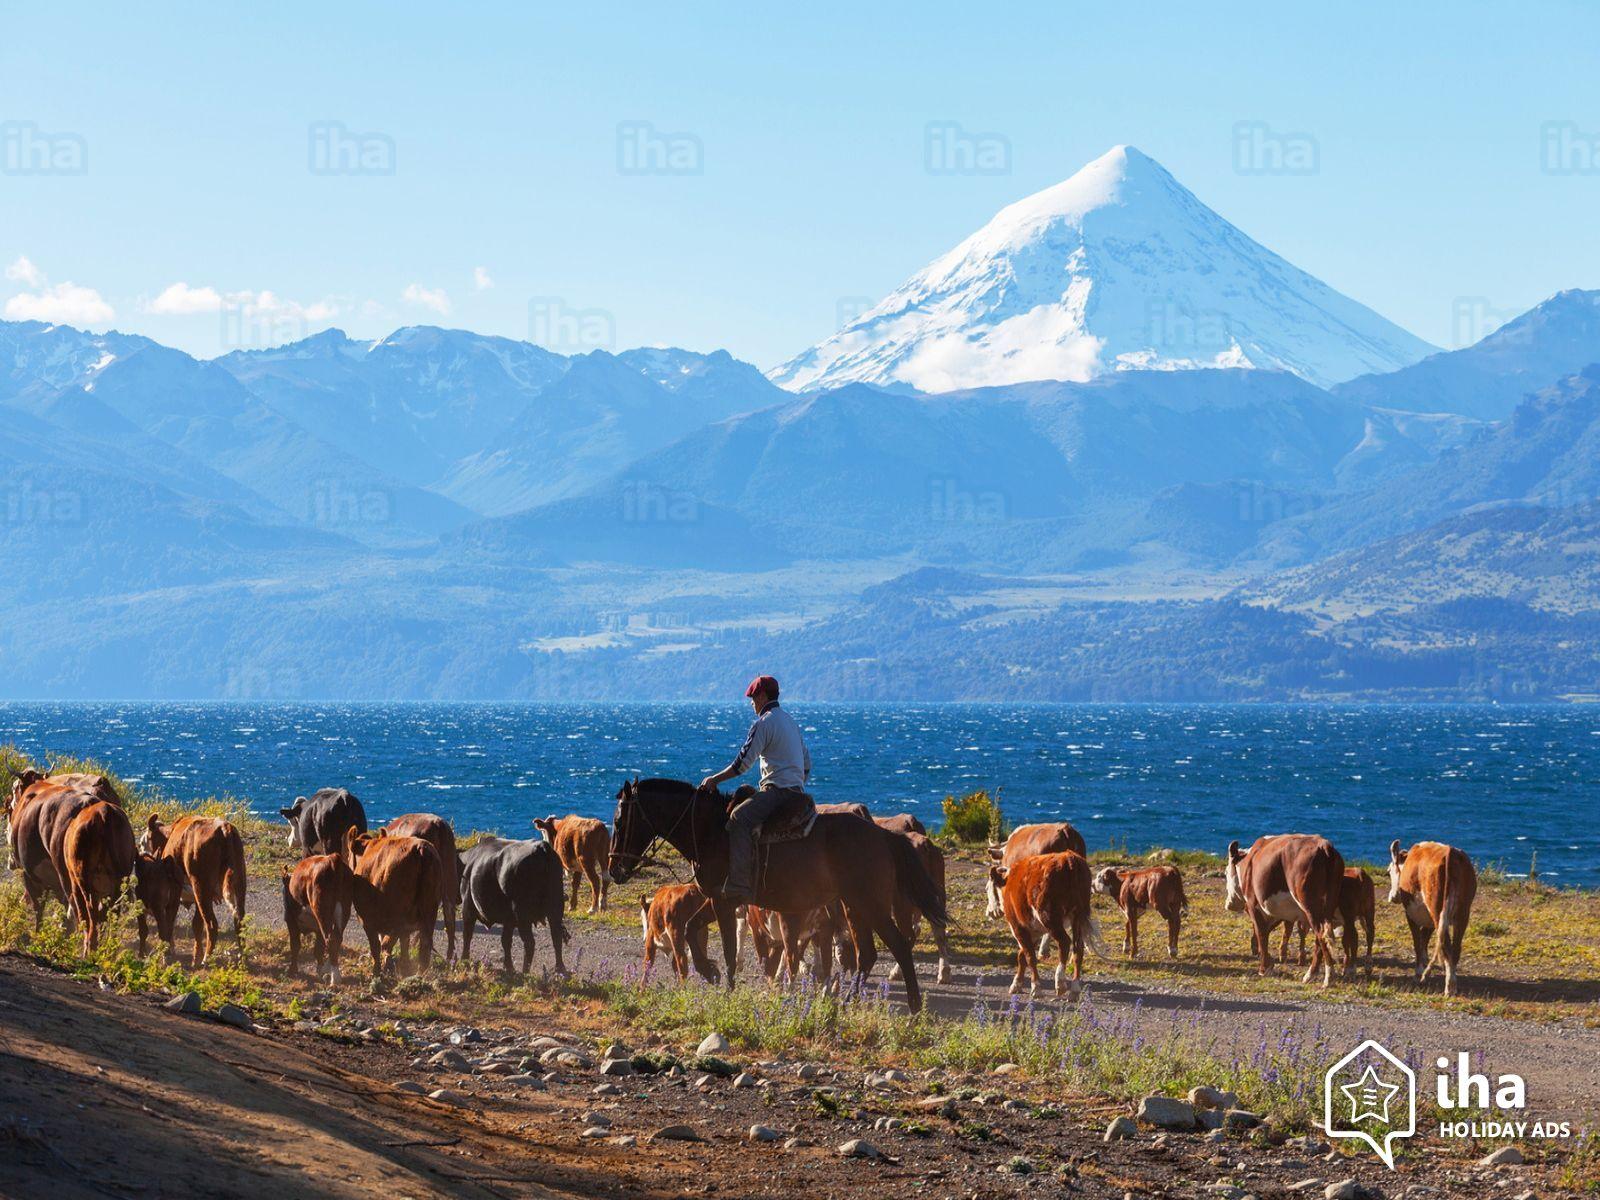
{"type": "Point", "coordinates": [789, 824]}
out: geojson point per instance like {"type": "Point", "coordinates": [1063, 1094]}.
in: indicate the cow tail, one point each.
{"type": "Point", "coordinates": [1183, 899]}
{"type": "Point", "coordinates": [1092, 938]}
{"type": "Point", "coordinates": [913, 881]}
{"type": "Point", "coordinates": [234, 882]}
{"type": "Point", "coordinates": [1446, 920]}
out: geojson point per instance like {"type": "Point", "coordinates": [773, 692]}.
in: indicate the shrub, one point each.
{"type": "Point", "coordinates": [974, 819]}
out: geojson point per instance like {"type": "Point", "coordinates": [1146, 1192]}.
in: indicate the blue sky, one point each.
{"type": "Point", "coordinates": [1455, 154]}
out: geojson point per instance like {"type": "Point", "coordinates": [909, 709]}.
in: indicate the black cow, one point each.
{"type": "Point", "coordinates": [318, 825]}
{"type": "Point", "coordinates": [514, 885]}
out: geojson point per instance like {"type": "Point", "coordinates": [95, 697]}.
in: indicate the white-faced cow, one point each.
{"type": "Point", "coordinates": [1134, 890]}
{"type": "Point", "coordinates": [1292, 877]}
{"type": "Point", "coordinates": [1436, 884]}
{"type": "Point", "coordinates": [1054, 837]}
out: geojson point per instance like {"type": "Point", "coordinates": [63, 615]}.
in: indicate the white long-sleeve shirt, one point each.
{"type": "Point", "coordinates": [775, 739]}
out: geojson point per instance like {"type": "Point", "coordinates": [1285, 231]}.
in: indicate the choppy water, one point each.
{"type": "Point", "coordinates": [1503, 783]}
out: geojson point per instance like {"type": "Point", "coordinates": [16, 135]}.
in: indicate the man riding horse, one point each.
{"type": "Point", "coordinates": [775, 740]}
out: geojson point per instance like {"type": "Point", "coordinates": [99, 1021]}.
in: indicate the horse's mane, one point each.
{"type": "Point", "coordinates": [666, 785]}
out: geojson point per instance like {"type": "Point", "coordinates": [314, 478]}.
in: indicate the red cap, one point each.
{"type": "Point", "coordinates": [762, 683]}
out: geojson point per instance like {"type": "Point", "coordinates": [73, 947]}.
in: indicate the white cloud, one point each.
{"type": "Point", "coordinates": [181, 300]}
{"type": "Point", "coordinates": [61, 304]}
{"type": "Point", "coordinates": [431, 298]}
{"type": "Point", "coordinates": [481, 280]}
{"type": "Point", "coordinates": [24, 272]}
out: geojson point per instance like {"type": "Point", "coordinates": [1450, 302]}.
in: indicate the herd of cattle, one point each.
{"type": "Point", "coordinates": [71, 839]}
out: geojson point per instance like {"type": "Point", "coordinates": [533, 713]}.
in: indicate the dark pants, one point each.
{"type": "Point", "coordinates": [743, 824]}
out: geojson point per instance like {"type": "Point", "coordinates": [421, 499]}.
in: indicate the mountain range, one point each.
{"type": "Point", "coordinates": [1303, 501]}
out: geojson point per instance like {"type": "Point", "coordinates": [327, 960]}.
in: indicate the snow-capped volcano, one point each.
{"type": "Point", "coordinates": [1118, 268]}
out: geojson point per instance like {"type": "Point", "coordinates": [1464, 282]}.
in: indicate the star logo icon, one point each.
{"type": "Point", "coordinates": [1369, 1097]}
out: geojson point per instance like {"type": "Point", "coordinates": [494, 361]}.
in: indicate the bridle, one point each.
{"type": "Point", "coordinates": [657, 834]}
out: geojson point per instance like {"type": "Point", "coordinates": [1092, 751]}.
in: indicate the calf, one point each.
{"type": "Point", "coordinates": [1027, 840]}
{"type": "Point", "coordinates": [437, 833]}
{"type": "Point", "coordinates": [97, 855]}
{"type": "Point", "coordinates": [1048, 894]}
{"type": "Point", "coordinates": [1160, 888]}
{"type": "Point", "coordinates": [317, 824]}
{"type": "Point", "coordinates": [1436, 884]}
{"type": "Point", "coordinates": [677, 919]}
{"type": "Point", "coordinates": [318, 898]}
{"type": "Point", "coordinates": [780, 940]}
{"type": "Point", "coordinates": [396, 892]}
{"type": "Point", "coordinates": [515, 885]}
{"type": "Point", "coordinates": [1288, 878]}
{"type": "Point", "coordinates": [1357, 908]}
{"type": "Point", "coordinates": [583, 845]}
{"type": "Point", "coordinates": [209, 855]}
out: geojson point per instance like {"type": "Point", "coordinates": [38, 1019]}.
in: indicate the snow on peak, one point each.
{"type": "Point", "coordinates": [1119, 267]}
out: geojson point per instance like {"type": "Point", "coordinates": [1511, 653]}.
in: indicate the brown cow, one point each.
{"type": "Point", "coordinates": [97, 854]}
{"type": "Point", "coordinates": [318, 898]}
{"type": "Point", "coordinates": [1134, 890]}
{"type": "Point", "coordinates": [1048, 894]}
{"type": "Point", "coordinates": [907, 918]}
{"type": "Point", "coordinates": [902, 823]}
{"type": "Point", "coordinates": [677, 919]}
{"type": "Point", "coordinates": [1436, 883]}
{"type": "Point", "coordinates": [437, 833]}
{"type": "Point", "coordinates": [583, 845]}
{"type": "Point", "coordinates": [1357, 912]}
{"type": "Point", "coordinates": [1289, 877]}
{"type": "Point", "coordinates": [1055, 837]}
{"type": "Point", "coordinates": [38, 813]}
{"type": "Point", "coordinates": [780, 940]}
{"type": "Point", "coordinates": [209, 855]}
{"type": "Point", "coordinates": [397, 882]}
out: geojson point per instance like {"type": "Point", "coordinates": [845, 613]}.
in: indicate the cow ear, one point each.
{"type": "Point", "coordinates": [1233, 851]}
{"type": "Point", "coordinates": [287, 813]}
{"type": "Point", "coordinates": [1394, 851]}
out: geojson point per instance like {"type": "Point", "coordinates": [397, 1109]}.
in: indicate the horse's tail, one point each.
{"type": "Point", "coordinates": [913, 881]}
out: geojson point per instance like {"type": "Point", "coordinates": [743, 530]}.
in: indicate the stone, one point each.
{"type": "Point", "coordinates": [1348, 1189]}
{"type": "Point", "coordinates": [1005, 1068]}
{"type": "Point", "coordinates": [944, 1106]}
{"type": "Point", "coordinates": [1120, 1129]}
{"type": "Point", "coordinates": [1215, 1135]}
{"type": "Point", "coordinates": [464, 1036]}
{"type": "Point", "coordinates": [625, 1140]}
{"type": "Point", "coordinates": [807, 1071]}
{"type": "Point", "coordinates": [616, 1066]}
{"type": "Point", "coordinates": [617, 1050]}
{"type": "Point", "coordinates": [187, 1003]}
{"type": "Point", "coordinates": [233, 1014]}
{"type": "Point", "coordinates": [763, 1133]}
{"type": "Point", "coordinates": [1239, 1118]}
{"type": "Point", "coordinates": [450, 1060]}
{"type": "Point", "coordinates": [1210, 1097]}
{"type": "Point", "coordinates": [1304, 1185]}
{"type": "Point", "coordinates": [860, 1148]}
{"type": "Point", "coordinates": [1166, 1113]}
{"type": "Point", "coordinates": [448, 1096]}
{"type": "Point", "coordinates": [795, 1143]}
{"type": "Point", "coordinates": [411, 1086]}
{"type": "Point", "coordinates": [608, 1089]}
{"type": "Point", "coordinates": [744, 1080]}
{"type": "Point", "coordinates": [596, 1118]}
{"type": "Point", "coordinates": [497, 1068]}
{"type": "Point", "coordinates": [676, 1133]}
{"type": "Point", "coordinates": [546, 1043]}
{"type": "Point", "coordinates": [1210, 1118]}
{"type": "Point", "coordinates": [1506, 1156]}
{"type": "Point", "coordinates": [531, 1083]}
{"type": "Point", "coordinates": [714, 1043]}
{"type": "Point", "coordinates": [595, 1131]}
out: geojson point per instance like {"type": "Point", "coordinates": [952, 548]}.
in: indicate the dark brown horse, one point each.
{"type": "Point", "coordinates": [844, 857]}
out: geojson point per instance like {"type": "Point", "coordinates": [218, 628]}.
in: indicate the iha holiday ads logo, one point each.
{"type": "Point", "coordinates": [1371, 1095]}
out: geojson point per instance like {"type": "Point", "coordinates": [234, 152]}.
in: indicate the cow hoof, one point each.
{"type": "Point", "coordinates": [944, 974]}
{"type": "Point", "coordinates": [1015, 990]}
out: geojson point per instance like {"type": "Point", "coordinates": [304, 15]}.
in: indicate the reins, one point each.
{"type": "Point", "coordinates": [657, 835]}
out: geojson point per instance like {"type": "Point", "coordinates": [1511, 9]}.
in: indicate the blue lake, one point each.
{"type": "Point", "coordinates": [1503, 783]}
